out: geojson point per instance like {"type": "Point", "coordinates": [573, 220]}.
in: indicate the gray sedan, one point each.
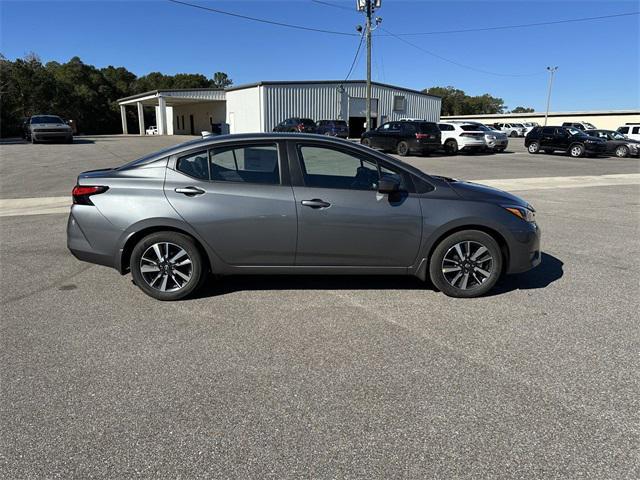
{"type": "Point", "coordinates": [295, 204]}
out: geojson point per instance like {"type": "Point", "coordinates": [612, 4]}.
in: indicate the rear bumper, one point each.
{"type": "Point", "coordinates": [82, 249]}
{"type": "Point", "coordinates": [524, 249]}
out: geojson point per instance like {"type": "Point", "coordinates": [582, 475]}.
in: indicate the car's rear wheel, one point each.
{"type": "Point", "coordinates": [534, 147]}
{"type": "Point", "coordinates": [576, 151]}
{"type": "Point", "coordinates": [466, 264]}
{"type": "Point", "coordinates": [366, 142]}
{"type": "Point", "coordinates": [167, 265]}
{"type": "Point", "coordinates": [451, 147]}
{"type": "Point", "coordinates": [513, 134]}
{"type": "Point", "coordinates": [402, 149]}
{"type": "Point", "coordinates": [622, 151]}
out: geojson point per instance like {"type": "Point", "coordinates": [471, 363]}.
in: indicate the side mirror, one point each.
{"type": "Point", "coordinates": [388, 185]}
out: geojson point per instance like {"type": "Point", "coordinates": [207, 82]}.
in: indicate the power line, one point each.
{"type": "Point", "coordinates": [469, 67]}
{"type": "Point", "coordinates": [263, 20]}
{"type": "Point", "coordinates": [333, 5]}
{"type": "Point", "coordinates": [522, 25]}
{"type": "Point", "coordinates": [355, 58]}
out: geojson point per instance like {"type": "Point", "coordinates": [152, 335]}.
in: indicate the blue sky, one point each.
{"type": "Point", "coordinates": [599, 60]}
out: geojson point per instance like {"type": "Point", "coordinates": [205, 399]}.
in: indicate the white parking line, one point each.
{"type": "Point", "coordinates": [12, 207]}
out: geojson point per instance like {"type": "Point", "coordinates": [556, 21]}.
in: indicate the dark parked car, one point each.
{"type": "Point", "coordinates": [617, 143]}
{"type": "Point", "coordinates": [568, 139]}
{"type": "Point", "coordinates": [306, 204]}
{"type": "Point", "coordinates": [296, 124]}
{"type": "Point", "coordinates": [41, 128]}
{"type": "Point", "coordinates": [333, 128]}
{"type": "Point", "coordinates": [404, 137]}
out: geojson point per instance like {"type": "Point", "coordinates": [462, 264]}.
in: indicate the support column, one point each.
{"type": "Point", "coordinates": [140, 117]}
{"type": "Point", "coordinates": [162, 120]}
{"type": "Point", "coordinates": [123, 116]}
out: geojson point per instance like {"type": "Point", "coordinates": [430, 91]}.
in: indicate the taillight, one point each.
{"type": "Point", "coordinates": [425, 135]}
{"type": "Point", "coordinates": [81, 194]}
{"type": "Point", "coordinates": [301, 127]}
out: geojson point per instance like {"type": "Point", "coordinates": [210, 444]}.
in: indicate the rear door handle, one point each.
{"type": "Point", "coordinates": [190, 191]}
{"type": "Point", "coordinates": [315, 203]}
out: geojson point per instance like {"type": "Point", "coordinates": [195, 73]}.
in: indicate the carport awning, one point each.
{"type": "Point", "coordinates": [175, 97]}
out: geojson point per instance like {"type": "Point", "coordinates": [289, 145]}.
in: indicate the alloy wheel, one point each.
{"type": "Point", "coordinates": [467, 264]}
{"type": "Point", "coordinates": [166, 267]}
{"type": "Point", "coordinates": [621, 151]}
{"type": "Point", "coordinates": [576, 151]}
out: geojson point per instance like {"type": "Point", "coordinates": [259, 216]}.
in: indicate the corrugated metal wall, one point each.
{"type": "Point", "coordinates": [327, 101]}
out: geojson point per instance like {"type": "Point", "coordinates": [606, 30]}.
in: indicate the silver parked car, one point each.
{"type": "Point", "coordinates": [495, 140]}
{"type": "Point", "coordinates": [296, 204]}
{"type": "Point", "coordinates": [46, 128]}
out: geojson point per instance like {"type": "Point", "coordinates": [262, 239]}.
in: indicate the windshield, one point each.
{"type": "Point", "coordinates": [428, 127]}
{"type": "Point", "coordinates": [158, 154]}
{"type": "Point", "coordinates": [616, 136]}
{"type": "Point", "coordinates": [46, 119]}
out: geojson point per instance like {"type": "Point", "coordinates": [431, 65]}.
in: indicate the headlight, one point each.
{"type": "Point", "coordinates": [526, 214]}
{"type": "Point", "coordinates": [491, 137]}
{"type": "Point", "coordinates": [632, 146]}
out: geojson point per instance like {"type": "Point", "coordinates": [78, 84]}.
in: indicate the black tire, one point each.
{"type": "Point", "coordinates": [513, 134]}
{"type": "Point", "coordinates": [366, 142]}
{"type": "Point", "coordinates": [534, 147]}
{"type": "Point", "coordinates": [576, 151]}
{"type": "Point", "coordinates": [499, 150]}
{"type": "Point", "coordinates": [402, 149]}
{"type": "Point", "coordinates": [477, 284]}
{"type": "Point", "coordinates": [622, 151]}
{"type": "Point", "coordinates": [197, 273]}
{"type": "Point", "coordinates": [451, 147]}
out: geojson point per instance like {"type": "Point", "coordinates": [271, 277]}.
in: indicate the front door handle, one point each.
{"type": "Point", "coordinates": [315, 203]}
{"type": "Point", "coordinates": [190, 191]}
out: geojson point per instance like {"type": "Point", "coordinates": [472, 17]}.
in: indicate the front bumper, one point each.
{"type": "Point", "coordinates": [524, 249]}
{"type": "Point", "coordinates": [44, 136]}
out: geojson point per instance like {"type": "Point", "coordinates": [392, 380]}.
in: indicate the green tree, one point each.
{"type": "Point", "coordinates": [221, 80]}
{"type": "Point", "coordinates": [457, 102]}
{"type": "Point", "coordinates": [522, 110]}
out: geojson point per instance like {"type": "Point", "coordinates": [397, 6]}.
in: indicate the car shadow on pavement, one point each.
{"type": "Point", "coordinates": [546, 273]}
{"type": "Point", "coordinates": [549, 270]}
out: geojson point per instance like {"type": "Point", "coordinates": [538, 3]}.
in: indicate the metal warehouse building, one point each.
{"type": "Point", "coordinates": [259, 107]}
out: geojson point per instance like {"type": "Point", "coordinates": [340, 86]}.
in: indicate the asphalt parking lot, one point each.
{"type": "Point", "coordinates": [324, 377]}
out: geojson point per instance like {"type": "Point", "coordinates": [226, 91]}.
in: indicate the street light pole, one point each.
{"type": "Point", "coordinates": [552, 71]}
{"type": "Point", "coordinates": [368, 33]}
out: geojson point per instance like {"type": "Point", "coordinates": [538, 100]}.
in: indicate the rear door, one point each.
{"type": "Point", "coordinates": [238, 198]}
{"type": "Point", "coordinates": [342, 219]}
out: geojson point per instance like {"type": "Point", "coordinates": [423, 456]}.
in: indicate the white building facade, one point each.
{"type": "Point", "coordinates": [259, 107]}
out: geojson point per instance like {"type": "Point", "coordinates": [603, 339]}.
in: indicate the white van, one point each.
{"type": "Point", "coordinates": [630, 130]}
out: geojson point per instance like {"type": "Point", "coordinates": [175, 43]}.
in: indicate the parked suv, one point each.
{"type": "Point", "coordinates": [333, 128]}
{"type": "Point", "coordinates": [461, 136]}
{"type": "Point", "coordinates": [580, 125]}
{"type": "Point", "coordinates": [511, 129]}
{"type": "Point", "coordinates": [296, 124]}
{"type": "Point", "coordinates": [495, 140]}
{"type": "Point", "coordinates": [568, 139]}
{"type": "Point", "coordinates": [42, 128]}
{"type": "Point", "coordinates": [404, 137]}
{"type": "Point", "coordinates": [299, 204]}
{"type": "Point", "coordinates": [617, 143]}
{"type": "Point", "coordinates": [630, 130]}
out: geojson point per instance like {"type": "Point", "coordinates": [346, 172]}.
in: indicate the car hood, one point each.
{"type": "Point", "coordinates": [484, 193]}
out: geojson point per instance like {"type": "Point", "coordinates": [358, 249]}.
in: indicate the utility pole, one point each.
{"type": "Point", "coordinates": [552, 71]}
{"type": "Point", "coordinates": [368, 7]}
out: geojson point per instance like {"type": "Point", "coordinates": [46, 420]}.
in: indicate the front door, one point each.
{"type": "Point", "coordinates": [343, 220]}
{"type": "Point", "coordinates": [234, 198]}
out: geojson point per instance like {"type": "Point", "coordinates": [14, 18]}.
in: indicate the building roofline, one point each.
{"type": "Point", "coordinates": [541, 114]}
{"type": "Point", "coordinates": [167, 90]}
{"type": "Point", "coordinates": [323, 82]}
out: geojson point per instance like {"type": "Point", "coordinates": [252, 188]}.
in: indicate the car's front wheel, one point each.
{"type": "Point", "coordinates": [366, 142]}
{"type": "Point", "coordinates": [167, 265]}
{"type": "Point", "coordinates": [622, 151]}
{"type": "Point", "coordinates": [576, 150]}
{"type": "Point", "coordinates": [451, 147]}
{"type": "Point", "coordinates": [466, 264]}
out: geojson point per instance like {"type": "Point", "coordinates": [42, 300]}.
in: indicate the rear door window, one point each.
{"type": "Point", "coordinates": [255, 163]}
{"type": "Point", "coordinates": [195, 165]}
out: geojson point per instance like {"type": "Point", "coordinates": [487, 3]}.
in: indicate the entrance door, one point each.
{"type": "Point", "coordinates": [343, 220]}
{"type": "Point", "coordinates": [234, 198]}
{"type": "Point", "coordinates": [191, 126]}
